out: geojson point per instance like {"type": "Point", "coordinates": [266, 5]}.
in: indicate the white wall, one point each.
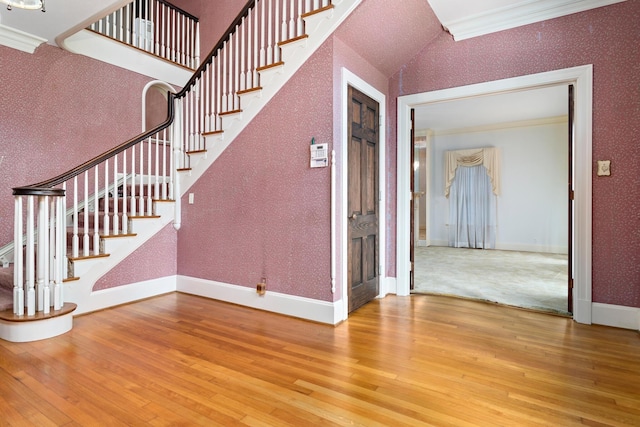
{"type": "Point", "coordinates": [532, 209]}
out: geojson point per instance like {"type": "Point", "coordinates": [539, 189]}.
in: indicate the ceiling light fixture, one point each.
{"type": "Point", "coordinates": [24, 4]}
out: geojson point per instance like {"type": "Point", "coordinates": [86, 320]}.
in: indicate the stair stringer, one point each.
{"type": "Point", "coordinates": [318, 27]}
{"type": "Point", "coordinates": [90, 270]}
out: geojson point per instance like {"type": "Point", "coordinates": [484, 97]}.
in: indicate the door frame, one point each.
{"type": "Point", "coordinates": [582, 79]}
{"type": "Point", "coordinates": [350, 79]}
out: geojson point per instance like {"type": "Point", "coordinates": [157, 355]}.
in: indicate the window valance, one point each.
{"type": "Point", "coordinates": [488, 157]}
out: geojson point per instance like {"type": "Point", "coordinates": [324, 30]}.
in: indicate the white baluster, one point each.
{"type": "Point", "coordinates": [236, 65]}
{"type": "Point", "coordinates": [75, 240]}
{"type": "Point", "coordinates": [63, 230]}
{"type": "Point", "coordinates": [270, 57]}
{"type": "Point", "coordinates": [164, 164]}
{"type": "Point", "coordinates": [243, 52]}
{"type": "Point", "coordinates": [263, 34]}
{"type": "Point", "coordinates": [116, 197]}
{"type": "Point", "coordinates": [223, 103]}
{"type": "Point", "coordinates": [58, 300]}
{"type": "Point", "coordinates": [300, 30]}
{"type": "Point", "coordinates": [284, 24]}
{"type": "Point", "coordinates": [125, 217]}
{"type": "Point", "coordinates": [85, 216]}
{"type": "Point", "coordinates": [127, 23]}
{"type": "Point", "coordinates": [106, 225]}
{"type": "Point", "coordinates": [134, 199]}
{"type": "Point", "coordinates": [141, 207]}
{"type": "Point", "coordinates": [96, 213]}
{"type": "Point", "coordinates": [18, 264]}
{"type": "Point", "coordinates": [30, 255]}
{"type": "Point", "coordinates": [163, 32]}
{"type": "Point", "coordinates": [255, 48]}
{"type": "Point", "coordinates": [156, 187]}
{"type": "Point", "coordinates": [42, 285]}
{"type": "Point", "coordinates": [196, 63]}
{"type": "Point", "coordinates": [149, 175]}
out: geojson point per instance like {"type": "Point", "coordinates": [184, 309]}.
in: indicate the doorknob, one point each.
{"type": "Point", "coordinates": [354, 216]}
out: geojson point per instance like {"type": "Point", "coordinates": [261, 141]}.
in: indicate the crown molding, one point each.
{"type": "Point", "coordinates": [20, 40]}
{"type": "Point", "coordinates": [523, 13]}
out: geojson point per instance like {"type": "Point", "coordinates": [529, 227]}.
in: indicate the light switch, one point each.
{"type": "Point", "coordinates": [190, 198]}
{"type": "Point", "coordinates": [604, 167]}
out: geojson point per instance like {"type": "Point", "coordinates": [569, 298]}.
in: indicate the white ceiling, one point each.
{"type": "Point", "coordinates": [60, 17]}
{"type": "Point", "coordinates": [511, 107]}
{"type": "Point", "coordinates": [462, 18]}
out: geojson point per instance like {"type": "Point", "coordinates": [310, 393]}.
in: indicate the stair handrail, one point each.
{"type": "Point", "coordinates": [37, 189]}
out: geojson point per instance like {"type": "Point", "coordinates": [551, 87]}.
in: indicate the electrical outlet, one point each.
{"type": "Point", "coordinates": [604, 167]}
{"type": "Point", "coordinates": [191, 197]}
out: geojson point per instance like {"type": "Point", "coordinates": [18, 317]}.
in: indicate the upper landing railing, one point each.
{"type": "Point", "coordinates": [157, 27]}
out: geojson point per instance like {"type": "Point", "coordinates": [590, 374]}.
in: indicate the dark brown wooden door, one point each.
{"type": "Point", "coordinates": [362, 205]}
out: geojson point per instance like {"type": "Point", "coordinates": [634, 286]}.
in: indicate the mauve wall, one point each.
{"type": "Point", "coordinates": [58, 110]}
{"type": "Point", "coordinates": [606, 37]}
{"type": "Point", "coordinates": [259, 210]}
{"type": "Point", "coordinates": [154, 259]}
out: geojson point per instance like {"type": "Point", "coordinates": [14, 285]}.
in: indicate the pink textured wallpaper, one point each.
{"type": "Point", "coordinates": [606, 37]}
{"type": "Point", "coordinates": [260, 211]}
{"type": "Point", "coordinates": [57, 111]}
{"type": "Point", "coordinates": [155, 258]}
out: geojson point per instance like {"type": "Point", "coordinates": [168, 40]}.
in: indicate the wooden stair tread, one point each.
{"type": "Point", "coordinates": [212, 132]}
{"type": "Point", "coordinates": [274, 65]}
{"type": "Point", "coordinates": [293, 40]}
{"type": "Point", "coordinates": [196, 151]}
{"type": "Point", "coordinates": [226, 113]}
{"type": "Point", "coordinates": [9, 316]}
{"type": "Point", "coordinates": [80, 258]}
{"type": "Point", "coordinates": [253, 89]}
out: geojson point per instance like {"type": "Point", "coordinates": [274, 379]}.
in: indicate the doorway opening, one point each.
{"type": "Point", "coordinates": [581, 78]}
{"type": "Point", "coordinates": [526, 262]}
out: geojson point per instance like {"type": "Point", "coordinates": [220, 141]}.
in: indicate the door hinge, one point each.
{"type": "Point", "coordinates": [571, 283]}
{"type": "Point", "coordinates": [571, 195]}
{"type": "Point", "coordinates": [410, 265]}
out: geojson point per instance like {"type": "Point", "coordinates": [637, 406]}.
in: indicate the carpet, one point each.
{"type": "Point", "coordinates": [523, 279]}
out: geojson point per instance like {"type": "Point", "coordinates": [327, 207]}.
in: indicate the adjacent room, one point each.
{"type": "Point", "coordinates": [506, 242]}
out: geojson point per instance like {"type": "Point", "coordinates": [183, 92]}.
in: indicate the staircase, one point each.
{"type": "Point", "coordinates": [134, 190]}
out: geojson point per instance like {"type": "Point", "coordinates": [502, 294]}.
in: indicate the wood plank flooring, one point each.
{"type": "Point", "coordinates": [420, 360]}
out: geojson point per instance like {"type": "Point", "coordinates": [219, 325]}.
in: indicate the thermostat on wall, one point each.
{"type": "Point", "coordinates": [319, 155]}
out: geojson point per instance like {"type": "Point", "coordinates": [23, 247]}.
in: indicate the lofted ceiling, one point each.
{"type": "Point", "coordinates": [405, 20]}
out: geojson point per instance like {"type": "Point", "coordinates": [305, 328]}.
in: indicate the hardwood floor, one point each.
{"type": "Point", "coordinates": [420, 360]}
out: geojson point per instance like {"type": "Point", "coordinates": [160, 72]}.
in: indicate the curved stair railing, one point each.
{"type": "Point", "coordinates": [67, 218]}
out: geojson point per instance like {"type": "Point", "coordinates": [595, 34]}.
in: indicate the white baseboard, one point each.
{"type": "Point", "coordinates": [99, 300]}
{"type": "Point", "coordinates": [616, 315]}
{"type": "Point", "coordinates": [35, 330]}
{"type": "Point", "coordinates": [290, 305]}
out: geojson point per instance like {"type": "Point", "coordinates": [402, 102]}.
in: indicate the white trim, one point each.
{"type": "Point", "coordinates": [154, 83]}
{"type": "Point", "coordinates": [20, 40]}
{"type": "Point", "coordinates": [125, 294]}
{"type": "Point", "coordinates": [616, 315]}
{"type": "Point", "coordinates": [582, 78]}
{"type": "Point", "coordinates": [516, 15]}
{"type": "Point", "coordinates": [350, 79]}
{"type": "Point", "coordinates": [289, 305]}
{"type": "Point", "coordinates": [104, 49]}
{"type": "Point", "coordinates": [35, 330]}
